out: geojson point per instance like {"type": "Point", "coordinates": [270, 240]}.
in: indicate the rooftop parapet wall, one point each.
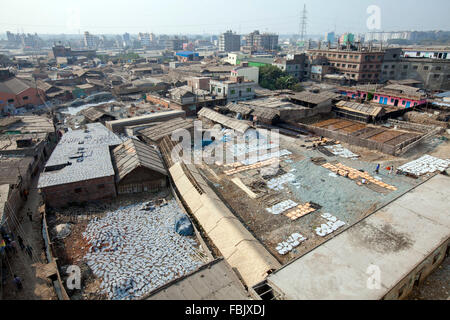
{"type": "Point", "coordinates": [238, 246]}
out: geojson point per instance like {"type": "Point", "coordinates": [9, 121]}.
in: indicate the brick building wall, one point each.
{"type": "Point", "coordinates": [79, 192]}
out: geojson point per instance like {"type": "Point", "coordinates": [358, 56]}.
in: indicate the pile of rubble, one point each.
{"type": "Point", "coordinates": [135, 249]}
{"type": "Point", "coordinates": [424, 165]}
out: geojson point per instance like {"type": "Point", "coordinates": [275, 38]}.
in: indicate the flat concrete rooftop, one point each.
{"type": "Point", "coordinates": [396, 238]}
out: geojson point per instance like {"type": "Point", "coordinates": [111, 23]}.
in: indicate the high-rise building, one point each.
{"type": "Point", "coordinates": [175, 44]}
{"type": "Point", "coordinates": [90, 41]}
{"type": "Point", "coordinates": [126, 39]}
{"type": "Point", "coordinates": [229, 42]}
{"type": "Point", "coordinates": [145, 39]}
{"type": "Point", "coordinates": [330, 37]}
{"type": "Point", "coordinates": [264, 41]}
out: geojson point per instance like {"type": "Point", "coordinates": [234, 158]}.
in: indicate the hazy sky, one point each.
{"type": "Point", "coordinates": [216, 16]}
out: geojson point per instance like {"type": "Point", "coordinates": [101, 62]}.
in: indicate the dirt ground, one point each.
{"type": "Point", "coordinates": [72, 249]}
{"type": "Point", "coordinates": [271, 229]}
{"type": "Point", "coordinates": [35, 287]}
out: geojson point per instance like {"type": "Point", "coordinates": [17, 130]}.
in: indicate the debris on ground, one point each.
{"type": "Point", "coordinates": [135, 251]}
{"type": "Point", "coordinates": [62, 231]}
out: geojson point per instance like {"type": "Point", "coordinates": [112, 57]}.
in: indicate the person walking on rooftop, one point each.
{"type": "Point", "coordinates": [22, 246]}
{"type": "Point", "coordinates": [29, 251]}
{"type": "Point", "coordinates": [377, 170]}
{"type": "Point", "coordinates": [18, 282]}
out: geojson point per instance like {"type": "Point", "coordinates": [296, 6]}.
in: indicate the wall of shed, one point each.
{"type": "Point", "coordinates": [142, 180]}
{"type": "Point", "coordinates": [62, 195]}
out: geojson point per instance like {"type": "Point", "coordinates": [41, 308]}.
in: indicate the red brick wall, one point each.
{"type": "Point", "coordinates": [62, 195]}
{"type": "Point", "coordinates": [158, 100]}
{"type": "Point", "coordinates": [31, 93]}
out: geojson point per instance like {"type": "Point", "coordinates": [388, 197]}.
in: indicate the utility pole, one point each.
{"type": "Point", "coordinates": [302, 28]}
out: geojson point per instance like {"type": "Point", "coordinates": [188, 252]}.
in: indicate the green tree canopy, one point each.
{"type": "Point", "coordinates": [271, 77]}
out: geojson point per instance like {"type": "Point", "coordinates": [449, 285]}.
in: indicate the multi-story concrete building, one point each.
{"type": "Point", "coordinates": [362, 65]}
{"type": "Point", "coordinates": [431, 67]}
{"type": "Point", "coordinates": [295, 65]}
{"type": "Point", "coordinates": [234, 89]}
{"type": "Point", "coordinates": [330, 37]}
{"type": "Point", "coordinates": [249, 73]}
{"type": "Point", "coordinates": [146, 39]}
{"type": "Point", "coordinates": [229, 42]}
{"type": "Point", "coordinates": [90, 41]}
{"type": "Point", "coordinates": [261, 41]}
{"type": "Point", "coordinates": [175, 44]}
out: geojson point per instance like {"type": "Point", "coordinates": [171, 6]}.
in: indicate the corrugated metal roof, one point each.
{"type": "Point", "coordinates": [228, 122]}
{"type": "Point", "coordinates": [88, 155]}
{"type": "Point", "coordinates": [366, 109]}
{"type": "Point", "coordinates": [133, 154]}
{"type": "Point", "coordinates": [12, 168]}
{"type": "Point", "coordinates": [315, 98]}
{"type": "Point", "coordinates": [14, 86]}
{"type": "Point", "coordinates": [166, 128]}
{"type": "Point", "coordinates": [239, 108]}
{"type": "Point", "coordinates": [213, 281]}
{"type": "Point", "coordinates": [92, 113]}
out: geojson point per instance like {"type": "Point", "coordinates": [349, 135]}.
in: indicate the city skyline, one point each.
{"type": "Point", "coordinates": [204, 17]}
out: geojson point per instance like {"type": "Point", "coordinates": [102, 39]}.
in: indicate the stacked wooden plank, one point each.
{"type": "Point", "coordinates": [251, 166]}
{"type": "Point", "coordinates": [300, 211]}
{"type": "Point", "coordinates": [354, 174]}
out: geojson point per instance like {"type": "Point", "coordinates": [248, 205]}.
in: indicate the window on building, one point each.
{"type": "Point", "coordinates": [340, 56]}
{"type": "Point", "coordinates": [405, 67]}
{"type": "Point", "coordinates": [393, 66]}
{"type": "Point", "coordinates": [344, 65]}
{"type": "Point", "coordinates": [345, 56]}
{"type": "Point", "coordinates": [353, 75]}
{"type": "Point", "coordinates": [369, 75]}
{"type": "Point", "coordinates": [386, 66]}
{"type": "Point", "coordinates": [436, 76]}
{"type": "Point", "coordinates": [233, 91]}
{"type": "Point", "coordinates": [363, 76]}
{"type": "Point", "coordinates": [403, 102]}
{"type": "Point", "coordinates": [438, 68]}
{"type": "Point", "coordinates": [392, 99]}
{"type": "Point", "coordinates": [249, 89]}
{"type": "Point", "coordinates": [25, 98]}
{"type": "Point", "coordinates": [426, 68]}
{"type": "Point", "coordinates": [371, 66]}
{"type": "Point", "coordinates": [404, 74]}
{"type": "Point", "coordinates": [219, 90]}
{"type": "Point", "coordinates": [384, 72]}
{"type": "Point", "coordinates": [10, 100]}
{"type": "Point", "coordinates": [77, 190]}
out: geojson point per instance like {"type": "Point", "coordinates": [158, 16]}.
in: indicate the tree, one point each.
{"type": "Point", "coordinates": [297, 87]}
{"type": "Point", "coordinates": [5, 61]}
{"type": "Point", "coordinates": [271, 77]}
